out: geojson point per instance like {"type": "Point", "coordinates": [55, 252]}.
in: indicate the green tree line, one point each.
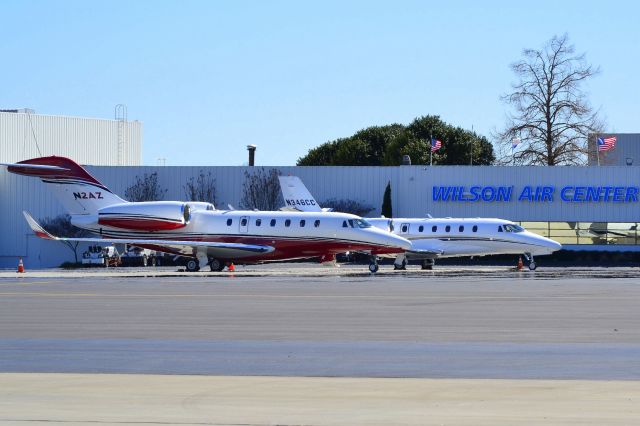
{"type": "Point", "coordinates": [385, 146]}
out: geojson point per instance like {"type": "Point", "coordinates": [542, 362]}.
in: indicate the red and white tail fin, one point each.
{"type": "Point", "coordinates": [78, 191]}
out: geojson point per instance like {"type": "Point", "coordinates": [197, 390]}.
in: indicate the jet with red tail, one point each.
{"type": "Point", "coordinates": [196, 230]}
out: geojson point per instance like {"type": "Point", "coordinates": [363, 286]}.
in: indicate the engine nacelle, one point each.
{"type": "Point", "coordinates": [201, 205]}
{"type": "Point", "coordinates": [146, 216]}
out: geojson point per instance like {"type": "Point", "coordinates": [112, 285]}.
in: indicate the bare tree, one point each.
{"type": "Point", "coordinates": [552, 116]}
{"type": "Point", "coordinates": [261, 190]}
{"type": "Point", "coordinates": [61, 226]}
{"type": "Point", "coordinates": [145, 189]}
{"type": "Point", "coordinates": [202, 188]}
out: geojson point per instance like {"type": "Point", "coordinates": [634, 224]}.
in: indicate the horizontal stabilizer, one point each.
{"type": "Point", "coordinates": [23, 167]}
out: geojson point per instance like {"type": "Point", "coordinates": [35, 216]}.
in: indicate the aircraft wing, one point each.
{"type": "Point", "coordinates": [187, 248]}
{"type": "Point", "coordinates": [424, 253]}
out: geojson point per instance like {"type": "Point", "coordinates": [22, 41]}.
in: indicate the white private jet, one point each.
{"type": "Point", "coordinates": [440, 238]}
{"type": "Point", "coordinates": [196, 230]}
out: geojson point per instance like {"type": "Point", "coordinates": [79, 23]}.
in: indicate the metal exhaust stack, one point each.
{"type": "Point", "coordinates": [252, 154]}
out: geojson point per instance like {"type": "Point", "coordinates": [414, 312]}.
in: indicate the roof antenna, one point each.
{"type": "Point", "coordinates": [33, 133]}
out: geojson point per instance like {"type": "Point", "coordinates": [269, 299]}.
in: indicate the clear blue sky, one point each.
{"type": "Point", "coordinates": [208, 77]}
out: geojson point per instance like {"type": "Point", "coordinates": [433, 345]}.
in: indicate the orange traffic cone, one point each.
{"type": "Point", "coordinates": [20, 266]}
{"type": "Point", "coordinates": [520, 264]}
{"type": "Point", "coordinates": [232, 267]}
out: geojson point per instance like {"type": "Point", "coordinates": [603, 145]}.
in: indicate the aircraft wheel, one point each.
{"type": "Point", "coordinates": [192, 265]}
{"type": "Point", "coordinates": [373, 268]}
{"type": "Point", "coordinates": [532, 266]}
{"type": "Point", "coordinates": [427, 264]}
{"type": "Point", "coordinates": [216, 265]}
{"type": "Point", "coordinates": [401, 267]}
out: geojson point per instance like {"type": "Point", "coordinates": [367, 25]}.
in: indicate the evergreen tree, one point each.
{"type": "Point", "coordinates": [387, 211]}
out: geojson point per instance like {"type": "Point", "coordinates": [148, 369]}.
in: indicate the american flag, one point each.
{"type": "Point", "coordinates": [514, 143]}
{"type": "Point", "coordinates": [605, 144]}
{"type": "Point", "coordinates": [435, 144]}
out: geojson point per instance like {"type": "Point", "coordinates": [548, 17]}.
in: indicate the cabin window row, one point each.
{"type": "Point", "coordinates": [274, 222]}
{"type": "Point", "coordinates": [447, 228]}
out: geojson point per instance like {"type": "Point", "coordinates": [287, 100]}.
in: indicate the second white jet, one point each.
{"type": "Point", "coordinates": [435, 238]}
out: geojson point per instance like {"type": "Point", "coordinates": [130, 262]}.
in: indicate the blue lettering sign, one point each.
{"type": "Point", "coordinates": [525, 194]}
{"type": "Point", "coordinates": [537, 194]}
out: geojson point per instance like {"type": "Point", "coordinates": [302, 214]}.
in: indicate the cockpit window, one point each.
{"type": "Point", "coordinates": [499, 228]}
{"type": "Point", "coordinates": [356, 223]}
{"type": "Point", "coordinates": [361, 223]}
{"type": "Point", "coordinates": [512, 227]}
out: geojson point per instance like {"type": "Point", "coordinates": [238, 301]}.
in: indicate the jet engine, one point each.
{"type": "Point", "coordinates": [146, 216]}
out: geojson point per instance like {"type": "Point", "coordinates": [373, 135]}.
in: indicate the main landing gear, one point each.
{"type": "Point", "coordinates": [194, 265]}
{"type": "Point", "coordinates": [400, 263]}
{"type": "Point", "coordinates": [427, 264]}
{"type": "Point", "coordinates": [216, 265]}
{"type": "Point", "coordinates": [532, 263]}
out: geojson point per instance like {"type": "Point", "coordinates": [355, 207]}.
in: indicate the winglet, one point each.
{"type": "Point", "coordinates": [37, 228]}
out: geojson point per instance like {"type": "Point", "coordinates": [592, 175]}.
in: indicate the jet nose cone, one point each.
{"type": "Point", "coordinates": [401, 242]}
{"type": "Point", "coordinates": [555, 246]}
{"type": "Point", "coordinates": [551, 245]}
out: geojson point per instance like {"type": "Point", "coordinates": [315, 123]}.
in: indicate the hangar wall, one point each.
{"type": "Point", "coordinates": [412, 195]}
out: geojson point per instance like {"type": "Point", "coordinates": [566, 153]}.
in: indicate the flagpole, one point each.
{"type": "Point", "coordinates": [431, 151]}
{"type": "Point", "coordinates": [597, 150]}
{"type": "Point", "coordinates": [471, 148]}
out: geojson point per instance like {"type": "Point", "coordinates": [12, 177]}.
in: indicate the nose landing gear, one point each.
{"type": "Point", "coordinates": [373, 265]}
{"type": "Point", "coordinates": [532, 263]}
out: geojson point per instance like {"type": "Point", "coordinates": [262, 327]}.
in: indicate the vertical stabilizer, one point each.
{"type": "Point", "coordinates": [296, 195]}
{"type": "Point", "coordinates": [78, 191]}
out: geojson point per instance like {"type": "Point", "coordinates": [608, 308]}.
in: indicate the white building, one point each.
{"type": "Point", "coordinates": [100, 142]}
